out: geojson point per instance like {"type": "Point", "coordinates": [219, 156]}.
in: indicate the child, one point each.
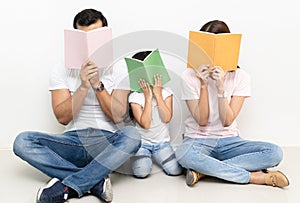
{"type": "Point", "coordinates": [152, 111]}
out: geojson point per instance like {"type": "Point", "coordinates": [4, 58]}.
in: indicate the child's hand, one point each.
{"type": "Point", "coordinates": [146, 89]}
{"type": "Point", "coordinates": [157, 87]}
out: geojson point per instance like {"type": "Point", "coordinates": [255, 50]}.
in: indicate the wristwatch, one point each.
{"type": "Point", "coordinates": [224, 95]}
{"type": "Point", "coordinates": [99, 87]}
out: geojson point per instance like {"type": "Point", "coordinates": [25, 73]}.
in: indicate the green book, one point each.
{"type": "Point", "coordinates": [146, 70]}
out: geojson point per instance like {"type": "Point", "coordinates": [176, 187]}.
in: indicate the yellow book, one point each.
{"type": "Point", "coordinates": [214, 50]}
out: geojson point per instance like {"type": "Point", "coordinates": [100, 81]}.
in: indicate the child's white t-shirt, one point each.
{"type": "Point", "coordinates": [158, 131]}
{"type": "Point", "coordinates": [236, 83]}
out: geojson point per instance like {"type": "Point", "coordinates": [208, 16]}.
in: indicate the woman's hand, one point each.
{"type": "Point", "coordinates": [202, 73]}
{"type": "Point", "coordinates": [218, 74]}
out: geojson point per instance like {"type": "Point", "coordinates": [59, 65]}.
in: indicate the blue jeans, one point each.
{"type": "Point", "coordinates": [231, 158]}
{"type": "Point", "coordinates": [162, 153]}
{"type": "Point", "coordinates": [80, 159]}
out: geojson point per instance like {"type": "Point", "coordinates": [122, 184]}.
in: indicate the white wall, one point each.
{"type": "Point", "coordinates": [31, 43]}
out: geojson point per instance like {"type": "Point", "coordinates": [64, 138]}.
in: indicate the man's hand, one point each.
{"type": "Point", "coordinates": [89, 75]}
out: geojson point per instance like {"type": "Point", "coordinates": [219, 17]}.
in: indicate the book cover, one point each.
{"type": "Point", "coordinates": [94, 45]}
{"type": "Point", "coordinates": [214, 49]}
{"type": "Point", "coordinates": [146, 70]}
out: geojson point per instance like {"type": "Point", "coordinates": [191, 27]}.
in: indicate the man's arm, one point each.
{"type": "Point", "coordinates": [114, 105]}
{"type": "Point", "coordinates": [64, 105]}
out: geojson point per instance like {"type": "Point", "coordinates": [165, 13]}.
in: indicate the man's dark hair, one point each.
{"type": "Point", "coordinates": [87, 17]}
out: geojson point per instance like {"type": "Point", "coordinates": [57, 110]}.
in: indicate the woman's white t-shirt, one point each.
{"type": "Point", "coordinates": [236, 83]}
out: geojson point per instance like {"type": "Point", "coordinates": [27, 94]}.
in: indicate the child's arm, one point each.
{"type": "Point", "coordinates": [164, 106]}
{"type": "Point", "coordinates": [143, 116]}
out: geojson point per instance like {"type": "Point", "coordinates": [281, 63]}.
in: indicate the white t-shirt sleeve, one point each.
{"type": "Point", "coordinates": [120, 75]}
{"type": "Point", "coordinates": [138, 98]}
{"type": "Point", "coordinates": [189, 85]}
{"type": "Point", "coordinates": [243, 87]}
{"type": "Point", "coordinates": [58, 78]}
{"type": "Point", "coordinates": [166, 92]}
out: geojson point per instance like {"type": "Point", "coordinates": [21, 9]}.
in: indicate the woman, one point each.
{"type": "Point", "coordinates": [212, 145]}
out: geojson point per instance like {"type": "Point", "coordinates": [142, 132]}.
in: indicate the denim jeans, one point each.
{"type": "Point", "coordinates": [163, 155]}
{"type": "Point", "coordinates": [80, 159]}
{"type": "Point", "coordinates": [231, 158]}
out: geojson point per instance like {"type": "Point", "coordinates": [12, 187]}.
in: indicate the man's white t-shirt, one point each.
{"type": "Point", "coordinates": [90, 114]}
{"type": "Point", "coordinates": [236, 83]}
{"type": "Point", "coordinates": [159, 130]}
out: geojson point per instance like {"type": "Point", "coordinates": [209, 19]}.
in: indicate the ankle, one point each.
{"type": "Point", "coordinates": [72, 193]}
{"type": "Point", "coordinates": [257, 177]}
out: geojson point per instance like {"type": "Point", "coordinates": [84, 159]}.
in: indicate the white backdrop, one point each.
{"type": "Point", "coordinates": [31, 43]}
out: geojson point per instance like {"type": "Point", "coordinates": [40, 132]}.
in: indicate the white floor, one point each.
{"type": "Point", "coordinates": [20, 182]}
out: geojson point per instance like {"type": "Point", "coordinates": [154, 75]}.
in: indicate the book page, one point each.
{"type": "Point", "coordinates": [200, 49]}
{"type": "Point", "coordinates": [100, 49]}
{"type": "Point", "coordinates": [154, 65]}
{"type": "Point", "coordinates": [76, 50]}
{"type": "Point", "coordinates": [136, 71]}
{"type": "Point", "coordinates": [94, 45]}
{"type": "Point", "coordinates": [227, 48]}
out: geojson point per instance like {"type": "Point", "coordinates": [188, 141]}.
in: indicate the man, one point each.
{"type": "Point", "coordinates": [80, 159]}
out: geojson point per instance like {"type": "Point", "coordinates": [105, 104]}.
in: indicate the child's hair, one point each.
{"type": "Point", "coordinates": [141, 55]}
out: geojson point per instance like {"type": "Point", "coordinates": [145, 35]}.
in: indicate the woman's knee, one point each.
{"type": "Point", "coordinates": [276, 154]}
{"type": "Point", "coordinates": [183, 155]}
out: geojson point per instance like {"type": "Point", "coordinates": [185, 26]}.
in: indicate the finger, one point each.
{"type": "Point", "coordinates": [90, 76]}
{"type": "Point", "coordinates": [155, 79]}
{"type": "Point", "coordinates": [140, 83]}
{"type": "Point", "coordinates": [160, 80]}
{"type": "Point", "coordinates": [205, 75]}
{"type": "Point", "coordinates": [85, 64]}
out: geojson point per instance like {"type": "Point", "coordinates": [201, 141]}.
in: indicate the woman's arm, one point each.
{"type": "Point", "coordinates": [227, 111]}
{"type": "Point", "coordinates": [199, 108]}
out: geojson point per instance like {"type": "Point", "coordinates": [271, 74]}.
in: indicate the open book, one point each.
{"type": "Point", "coordinates": [93, 45]}
{"type": "Point", "coordinates": [214, 50]}
{"type": "Point", "coordinates": [146, 70]}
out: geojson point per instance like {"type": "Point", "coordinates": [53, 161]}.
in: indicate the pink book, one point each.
{"type": "Point", "coordinates": [94, 45]}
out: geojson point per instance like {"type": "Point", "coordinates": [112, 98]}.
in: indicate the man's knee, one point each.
{"type": "Point", "coordinates": [131, 138]}
{"type": "Point", "coordinates": [21, 143]}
